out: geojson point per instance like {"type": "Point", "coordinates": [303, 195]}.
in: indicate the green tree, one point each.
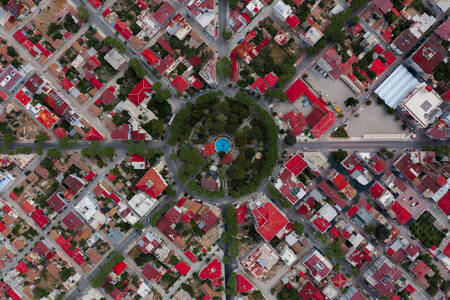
{"type": "Point", "coordinates": [298, 227]}
{"type": "Point", "coordinates": [64, 142]}
{"type": "Point", "coordinates": [109, 152]}
{"type": "Point", "coordinates": [232, 285]}
{"type": "Point", "coordinates": [191, 159]}
{"type": "Point", "coordinates": [353, 102]}
{"type": "Point", "coordinates": [11, 51]}
{"type": "Point", "coordinates": [381, 232]}
{"type": "Point", "coordinates": [226, 35]}
{"type": "Point", "coordinates": [116, 43]}
{"type": "Point", "coordinates": [139, 225]}
{"type": "Point", "coordinates": [83, 13]}
{"type": "Point", "coordinates": [54, 153]}
{"type": "Point", "coordinates": [276, 93]}
{"type": "Point", "coordinates": [137, 67]}
{"type": "Point", "coordinates": [339, 155]}
{"type": "Point", "coordinates": [290, 140]}
{"type": "Point", "coordinates": [224, 67]}
{"type": "Point", "coordinates": [155, 218]}
{"type": "Point", "coordinates": [40, 139]}
{"type": "Point", "coordinates": [8, 139]}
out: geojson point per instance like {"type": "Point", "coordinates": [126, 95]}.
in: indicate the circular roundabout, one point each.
{"type": "Point", "coordinates": [223, 146]}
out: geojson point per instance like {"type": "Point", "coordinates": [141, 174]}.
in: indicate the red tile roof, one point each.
{"type": "Point", "coordinates": [166, 46]}
{"type": "Point", "coordinates": [420, 269]}
{"type": "Point", "coordinates": [378, 67]}
{"type": "Point", "coordinates": [180, 84]}
{"type": "Point", "coordinates": [383, 286]}
{"type": "Point", "coordinates": [295, 121]}
{"type": "Point", "coordinates": [21, 267]}
{"type": "Point", "coordinates": [383, 5]}
{"type": "Point", "coordinates": [152, 183]}
{"type": "Point", "coordinates": [310, 292]}
{"type": "Point", "coordinates": [164, 13]}
{"type": "Point", "coordinates": [297, 89]}
{"type": "Point", "coordinates": [150, 273]}
{"type": "Point", "coordinates": [93, 135]}
{"type": "Point", "coordinates": [212, 271]}
{"type": "Point", "coordinates": [182, 268]}
{"type": "Point", "coordinates": [119, 267]}
{"type": "Point", "coordinates": [339, 280]}
{"type": "Point", "coordinates": [292, 21]}
{"type": "Point", "coordinates": [444, 203]}
{"type": "Point", "coordinates": [259, 85]}
{"type": "Point", "coordinates": [296, 165]}
{"type": "Point", "coordinates": [121, 133]}
{"type": "Point", "coordinates": [321, 224]}
{"type": "Point", "coordinates": [27, 207]}
{"type": "Point", "coordinates": [39, 218]}
{"type": "Point", "coordinates": [56, 102]}
{"type": "Point", "coordinates": [241, 212]}
{"type": "Point", "coordinates": [195, 60]}
{"type": "Point", "coordinates": [430, 55]}
{"type": "Point", "coordinates": [341, 203]}
{"type": "Point", "coordinates": [151, 57]}
{"type": "Point", "coordinates": [444, 30]}
{"type": "Point", "coordinates": [191, 256]}
{"type": "Point", "coordinates": [376, 190]}
{"type": "Point", "coordinates": [352, 211]}
{"type": "Point", "coordinates": [334, 232]}
{"type": "Point", "coordinates": [271, 79]}
{"type": "Point", "coordinates": [95, 3]}
{"type": "Point", "coordinates": [22, 97]}
{"type": "Point", "coordinates": [403, 215]}
{"type": "Point", "coordinates": [66, 84]}
{"type": "Point", "coordinates": [72, 222]}
{"type": "Point", "coordinates": [165, 64]}
{"type": "Point", "coordinates": [269, 221]}
{"type": "Point", "coordinates": [56, 202]}
{"type": "Point", "coordinates": [243, 285]}
{"type": "Point", "coordinates": [140, 92]}
{"type": "Point", "coordinates": [123, 30]}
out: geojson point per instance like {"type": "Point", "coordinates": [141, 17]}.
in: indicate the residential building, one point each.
{"type": "Point", "coordinates": [89, 210]}
{"type": "Point", "coordinates": [428, 57]}
{"type": "Point", "coordinates": [149, 242]}
{"type": "Point", "coordinates": [152, 183]}
{"type": "Point", "coordinates": [253, 8]}
{"type": "Point", "coordinates": [318, 265]}
{"type": "Point", "coordinates": [142, 204]}
{"type": "Point", "coordinates": [115, 59]}
{"type": "Point", "coordinates": [382, 276]}
{"type": "Point", "coordinates": [269, 221]}
{"type": "Point", "coordinates": [322, 218]}
{"type": "Point", "coordinates": [204, 13]}
{"type": "Point", "coordinates": [260, 260]}
{"type": "Point", "coordinates": [312, 36]}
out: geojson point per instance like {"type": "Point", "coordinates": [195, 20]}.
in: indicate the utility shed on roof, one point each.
{"type": "Point", "coordinates": [394, 89]}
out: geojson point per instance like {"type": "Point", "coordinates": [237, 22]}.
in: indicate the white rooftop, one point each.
{"type": "Point", "coordinates": [394, 89]}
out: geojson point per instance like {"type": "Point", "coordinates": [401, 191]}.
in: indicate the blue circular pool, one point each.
{"type": "Point", "coordinates": [222, 144]}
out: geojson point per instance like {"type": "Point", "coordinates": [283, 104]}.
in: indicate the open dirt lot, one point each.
{"type": "Point", "coordinates": [373, 119]}
{"type": "Point", "coordinates": [55, 10]}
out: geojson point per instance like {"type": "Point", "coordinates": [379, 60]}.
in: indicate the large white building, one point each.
{"type": "Point", "coordinates": [142, 204]}
{"type": "Point", "coordinates": [421, 106]}
{"type": "Point", "coordinates": [394, 89]}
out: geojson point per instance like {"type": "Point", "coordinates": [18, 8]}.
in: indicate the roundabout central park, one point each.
{"type": "Point", "coordinates": [223, 145]}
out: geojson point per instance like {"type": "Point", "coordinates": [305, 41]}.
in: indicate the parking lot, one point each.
{"type": "Point", "coordinates": [334, 91]}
